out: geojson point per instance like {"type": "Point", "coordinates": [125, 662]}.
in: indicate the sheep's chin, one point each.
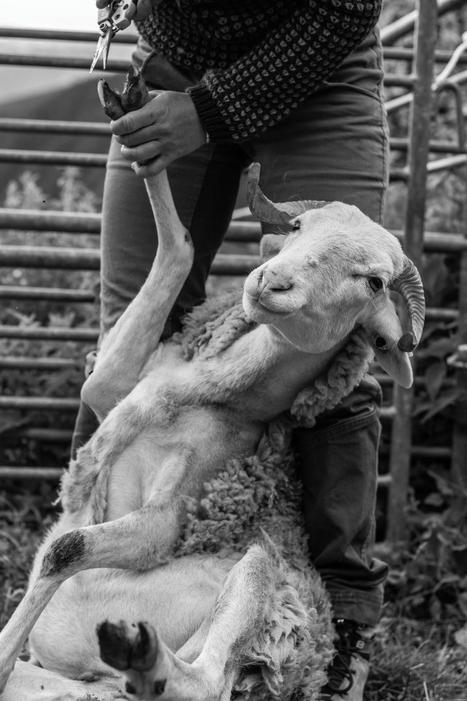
{"type": "Point", "coordinates": [261, 314]}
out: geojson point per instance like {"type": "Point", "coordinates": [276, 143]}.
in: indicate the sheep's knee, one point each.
{"type": "Point", "coordinates": [65, 555]}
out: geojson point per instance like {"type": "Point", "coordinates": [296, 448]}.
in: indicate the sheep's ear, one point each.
{"type": "Point", "coordinates": [270, 245]}
{"type": "Point", "coordinates": [384, 330]}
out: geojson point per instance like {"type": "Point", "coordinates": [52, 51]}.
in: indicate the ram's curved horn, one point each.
{"type": "Point", "coordinates": [271, 212]}
{"type": "Point", "coordinates": [410, 287]}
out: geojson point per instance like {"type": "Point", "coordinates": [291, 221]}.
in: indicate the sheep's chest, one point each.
{"type": "Point", "coordinates": [183, 440]}
{"type": "Point", "coordinates": [177, 458]}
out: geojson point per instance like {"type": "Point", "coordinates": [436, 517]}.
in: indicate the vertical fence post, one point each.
{"type": "Point", "coordinates": [459, 437]}
{"type": "Point", "coordinates": [419, 137]}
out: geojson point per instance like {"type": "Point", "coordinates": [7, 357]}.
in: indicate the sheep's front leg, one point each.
{"type": "Point", "coordinates": [154, 671]}
{"type": "Point", "coordinates": [129, 344]}
{"type": "Point", "coordinates": [138, 541]}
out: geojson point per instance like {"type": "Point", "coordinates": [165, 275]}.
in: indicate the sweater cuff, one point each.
{"type": "Point", "coordinates": [209, 114]}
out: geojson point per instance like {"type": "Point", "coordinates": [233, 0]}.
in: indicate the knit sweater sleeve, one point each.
{"type": "Point", "coordinates": [272, 79]}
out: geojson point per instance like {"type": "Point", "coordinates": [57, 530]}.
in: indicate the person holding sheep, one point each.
{"type": "Point", "coordinates": [296, 86]}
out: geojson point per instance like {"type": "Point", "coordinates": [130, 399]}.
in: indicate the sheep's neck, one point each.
{"type": "Point", "coordinates": [281, 371]}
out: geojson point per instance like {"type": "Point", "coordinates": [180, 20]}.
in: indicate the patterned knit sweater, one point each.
{"type": "Point", "coordinates": [257, 59]}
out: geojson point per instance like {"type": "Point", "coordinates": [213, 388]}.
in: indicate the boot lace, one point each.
{"type": "Point", "coordinates": [348, 642]}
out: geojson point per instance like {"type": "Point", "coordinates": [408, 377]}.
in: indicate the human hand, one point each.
{"type": "Point", "coordinates": [164, 129]}
{"type": "Point", "coordinates": [138, 9]}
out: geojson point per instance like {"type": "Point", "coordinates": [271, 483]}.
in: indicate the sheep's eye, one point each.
{"type": "Point", "coordinates": [296, 225]}
{"type": "Point", "coordinates": [375, 283]}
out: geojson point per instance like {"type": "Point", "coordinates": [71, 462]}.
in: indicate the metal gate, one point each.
{"type": "Point", "coordinates": [424, 157]}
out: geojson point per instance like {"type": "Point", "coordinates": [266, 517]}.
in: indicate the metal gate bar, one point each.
{"type": "Point", "coordinates": [239, 231]}
{"type": "Point", "coordinates": [418, 147]}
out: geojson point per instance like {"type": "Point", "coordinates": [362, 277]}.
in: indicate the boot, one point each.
{"type": "Point", "coordinates": [348, 671]}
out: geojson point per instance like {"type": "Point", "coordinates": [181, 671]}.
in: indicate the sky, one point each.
{"type": "Point", "coordinates": [49, 14]}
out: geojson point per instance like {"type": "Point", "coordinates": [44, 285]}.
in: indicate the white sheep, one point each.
{"type": "Point", "coordinates": [181, 514]}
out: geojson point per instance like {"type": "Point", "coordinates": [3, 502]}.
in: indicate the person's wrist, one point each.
{"type": "Point", "coordinates": [196, 117]}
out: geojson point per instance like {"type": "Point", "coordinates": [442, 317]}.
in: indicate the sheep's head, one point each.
{"type": "Point", "coordinates": [335, 271]}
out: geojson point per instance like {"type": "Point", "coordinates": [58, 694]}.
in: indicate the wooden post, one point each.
{"type": "Point", "coordinates": [419, 137]}
{"type": "Point", "coordinates": [459, 437]}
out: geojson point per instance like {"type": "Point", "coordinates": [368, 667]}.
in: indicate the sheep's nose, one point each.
{"type": "Point", "coordinates": [275, 281]}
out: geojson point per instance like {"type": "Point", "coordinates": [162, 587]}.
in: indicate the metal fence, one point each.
{"type": "Point", "coordinates": [423, 157]}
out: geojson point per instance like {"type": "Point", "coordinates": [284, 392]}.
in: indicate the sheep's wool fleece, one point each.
{"type": "Point", "coordinates": [261, 489]}
{"type": "Point", "coordinates": [258, 499]}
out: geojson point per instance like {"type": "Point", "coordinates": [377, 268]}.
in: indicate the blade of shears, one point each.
{"type": "Point", "coordinates": [105, 51]}
{"type": "Point", "coordinates": [102, 49]}
{"type": "Point", "coordinates": [105, 23]}
{"type": "Point", "coordinates": [111, 19]}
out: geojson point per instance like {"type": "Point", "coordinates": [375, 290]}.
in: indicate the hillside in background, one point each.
{"type": "Point", "coordinates": [76, 102]}
{"type": "Point", "coordinates": [65, 95]}
{"type": "Point", "coordinates": [18, 83]}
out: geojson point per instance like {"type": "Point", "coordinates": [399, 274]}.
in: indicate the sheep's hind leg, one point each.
{"type": "Point", "coordinates": [154, 671]}
{"type": "Point", "coordinates": [138, 541]}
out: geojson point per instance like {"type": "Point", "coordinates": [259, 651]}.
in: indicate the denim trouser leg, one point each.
{"type": "Point", "coordinates": [85, 424]}
{"type": "Point", "coordinates": [332, 147]}
{"type": "Point", "coordinates": [337, 461]}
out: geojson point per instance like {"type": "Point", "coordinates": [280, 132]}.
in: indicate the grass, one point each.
{"type": "Point", "coordinates": [416, 661]}
{"type": "Point", "coordinates": [23, 523]}
{"type": "Point", "coordinates": [413, 660]}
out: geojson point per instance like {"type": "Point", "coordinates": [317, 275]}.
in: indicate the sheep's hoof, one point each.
{"type": "Point", "coordinates": [145, 648]}
{"type": "Point", "coordinates": [133, 96]}
{"type": "Point", "coordinates": [124, 647]}
{"type": "Point", "coordinates": [110, 100]}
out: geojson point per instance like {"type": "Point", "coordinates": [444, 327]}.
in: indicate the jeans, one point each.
{"type": "Point", "coordinates": [333, 147]}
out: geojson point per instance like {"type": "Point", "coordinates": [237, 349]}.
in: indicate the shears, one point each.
{"type": "Point", "coordinates": [111, 19]}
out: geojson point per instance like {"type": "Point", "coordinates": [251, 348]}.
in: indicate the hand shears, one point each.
{"type": "Point", "coordinates": [111, 19]}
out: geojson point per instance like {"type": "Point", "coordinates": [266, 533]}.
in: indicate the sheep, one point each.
{"type": "Point", "coordinates": [181, 514]}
